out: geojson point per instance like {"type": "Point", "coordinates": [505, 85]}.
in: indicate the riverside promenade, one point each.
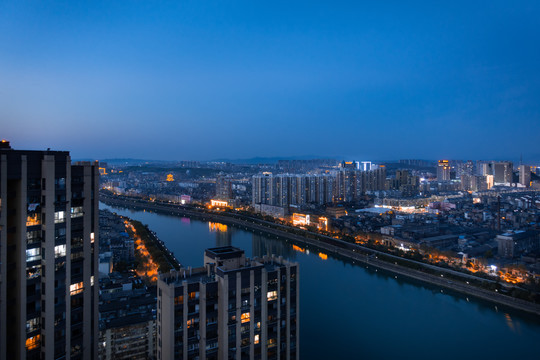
{"type": "Point", "coordinates": [441, 277]}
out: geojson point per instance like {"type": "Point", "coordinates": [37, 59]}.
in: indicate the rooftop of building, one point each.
{"type": "Point", "coordinates": [224, 252]}
{"type": "Point", "coordinates": [211, 270]}
{"type": "Point", "coordinates": [5, 147]}
{"type": "Point", "coordinates": [518, 234]}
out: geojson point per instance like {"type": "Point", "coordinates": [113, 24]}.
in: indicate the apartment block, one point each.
{"type": "Point", "coordinates": [231, 308]}
{"type": "Point", "coordinates": [48, 255]}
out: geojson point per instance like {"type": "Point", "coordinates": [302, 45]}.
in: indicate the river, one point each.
{"type": "Point", "coordinates": [348, 311]}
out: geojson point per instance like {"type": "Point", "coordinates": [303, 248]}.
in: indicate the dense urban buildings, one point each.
{"type": "Point", "coordinates": [346, 183]}
{"type": "Point", "coordinates": [285, 189]}
{"type": "Point", "coordinates": [48, 255]}
{"type": "Point", "coordinates": [232, 307]}
{"type": "Point", "coordinates": [461, 219]}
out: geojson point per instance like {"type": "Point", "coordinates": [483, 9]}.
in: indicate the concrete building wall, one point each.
{"type": "Point", "coordinates": [254, 309]}
{"type": "Point", "coordinates": [35, 221]}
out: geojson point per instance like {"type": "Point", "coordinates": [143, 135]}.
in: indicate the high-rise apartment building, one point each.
{"type": "Point", "coordinates": [351, 183]}
{"type": "Point", "coordinates": [286, 189]}
{"type": "Point", "coordinates": [263, 189]}
{"type": "Point", "coordinates": [476, 183]}
{"type": "Point", "coordinates": [503, 172]}
{"type": "Point", "coordinates": [406, 183]}
{"type": "Point", "coordinates": [48, 256]}
{"type": "Point", "coordinates": [464, 168]}
{"type": "Point", "coordinates": [127, 324]}
{"type": "Point", "coordinates": [346, 184]}
{"type": "Point", "coordinates": [525, 175]}
{"type": "Point", "coordinates": [443, 170]}
{"type": "Point", "coordinates": [232, 308]}
{"type": "Point", "coordinates": [223, 187]}
{"type": "Point", "coordinates": [484, 168]}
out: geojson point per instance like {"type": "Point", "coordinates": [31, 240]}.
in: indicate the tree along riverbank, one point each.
{"type": "Point", "coordinates": [485, 289]}
{"type": "Point", "coordinates": [152, 254]}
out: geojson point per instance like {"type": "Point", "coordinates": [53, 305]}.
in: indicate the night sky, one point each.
{"type": "Point", "coordinates": [238, 79]}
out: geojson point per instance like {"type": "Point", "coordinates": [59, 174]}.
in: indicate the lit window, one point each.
{"type": "Point", "coordinates": [59, 217]}
{"type": "Point", "coordinates": [32, 325]}
{"type": "Point", "coordinates": [245, 317]}
{"type": "Point", "coordinates": [179, 300]}
{"type": "Point", "coordinates": [92, 237]}
{"type": "Point", "coordinates": [33, 342]}
{"type": "Point", "coordinates": [33, 271]}
{"type": "Point", "coordinates": [271, 295]}
{"type": "Point", "coordinates": [256, 339]}
{"type": "Point", "coordinates": [33, 254]}
{"type": "Point", "coordinates": [59, 251]}
{"type": "Point", "coordinates": [33, 219]}
{"type": "Point", "coordinates": [192, 322]}
{"type": "Point", "coordinates": [77, 212]}
{"type": "Point", "coordinates": [75, 289]}
{"type": "Point", "coordinates": [92, 280]}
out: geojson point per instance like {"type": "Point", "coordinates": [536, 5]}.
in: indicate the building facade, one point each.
{"type": "Point", "coordinates": [223, 188]}
{"type": "Point", "coordinates": [503, 172]}
{"type": "Point", "coordinates": [232, 308]}
{"type": "Point", "coordinates": [443, 170]}
{"type": "Point", "coordinates": [48, 256]}
{"type": "Point", "coordinates": [287, 189]}
{"type": "Point", "coordinates": [128, 325]}
{"type": "Point", "coordinates": [525, 175]}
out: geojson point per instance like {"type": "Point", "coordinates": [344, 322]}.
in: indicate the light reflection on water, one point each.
{"type": "Point", "coordinates": [351, 311]}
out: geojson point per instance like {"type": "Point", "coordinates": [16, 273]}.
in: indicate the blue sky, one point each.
{"type": "Point", "coordinates": [238, 79]}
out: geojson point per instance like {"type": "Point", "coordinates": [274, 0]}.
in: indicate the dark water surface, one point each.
{"type": "Point", "coordinates": [350, 312]}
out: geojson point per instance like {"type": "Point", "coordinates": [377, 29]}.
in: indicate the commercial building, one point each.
{"type": "Point", "coordinates": [232, 308]}
{"type": "Point", "coordinates": [48, 256]}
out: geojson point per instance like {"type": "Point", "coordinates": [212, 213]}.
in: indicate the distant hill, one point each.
{"type": "Point", "coordinates": [272, 160]}
{"type": "Point", "coordinates": [127, 161]}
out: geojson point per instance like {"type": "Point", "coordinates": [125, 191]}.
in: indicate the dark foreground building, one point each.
{"type": "Point", "coordinates": [232, 308]}
{"type": "Point", "coordinates": [48, 256]}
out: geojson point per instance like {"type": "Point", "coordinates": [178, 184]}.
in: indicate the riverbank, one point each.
{"type": "Point", "coordinates": [152, 254]}
{"type": "Point", "coordinates": [444, 278]}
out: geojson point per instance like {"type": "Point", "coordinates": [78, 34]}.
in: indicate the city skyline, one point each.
{"type": "Point", "coordinates": [194, 81]}
{"type": "Point", "coordinates": [269, 181]}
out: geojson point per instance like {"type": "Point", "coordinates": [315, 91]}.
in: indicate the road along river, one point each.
{"type": "Point", "coordinates": [350, 310]}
